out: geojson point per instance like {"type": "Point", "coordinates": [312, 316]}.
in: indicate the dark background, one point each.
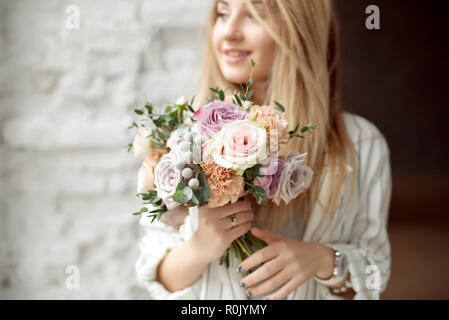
{"type": "Point", "coordinates": [396, 77]}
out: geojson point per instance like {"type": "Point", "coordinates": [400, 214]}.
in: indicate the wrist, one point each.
{"type": "Point", "coordinates": [326, 268]}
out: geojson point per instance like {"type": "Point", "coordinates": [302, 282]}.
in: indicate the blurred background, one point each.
{"type": "Point", "coordinates": [67, 187]}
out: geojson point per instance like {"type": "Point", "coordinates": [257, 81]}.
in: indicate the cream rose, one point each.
{"type": "Point", "coordinates": [238, 145]}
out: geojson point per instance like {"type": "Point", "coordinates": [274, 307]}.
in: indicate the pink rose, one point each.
{"type": "Point", "coordinates": [238, 146]}
{"type": "Point", "coordinates": [211, 118]}
{"type": "Point", "coordinates": [271, 169]}
{"type": "Point", "coordinates": [145, 178]}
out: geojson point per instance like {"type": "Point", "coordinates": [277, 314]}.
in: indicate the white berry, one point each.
{"type": "Point", "coordinates": [194, 183]}
{"type": "Point", "coordinates": [187, 173]}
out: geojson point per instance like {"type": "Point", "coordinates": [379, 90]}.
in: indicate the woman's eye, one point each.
{"type": "Point", "coordinates": [220, 15]}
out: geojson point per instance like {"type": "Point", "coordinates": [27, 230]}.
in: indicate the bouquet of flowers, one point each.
{"type": "Point", "coordinates": [225, 150]}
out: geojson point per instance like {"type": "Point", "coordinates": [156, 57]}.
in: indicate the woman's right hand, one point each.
{"type": "Point", "coordinates": [215, 232]}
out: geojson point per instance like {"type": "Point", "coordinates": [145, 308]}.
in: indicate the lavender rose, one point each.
{"type": "Point", "coordinates": [211, 118]}
{"type": "Point", "coordinates": [167, 177]}
{"type": "Point", "coordinates": [295, 177]}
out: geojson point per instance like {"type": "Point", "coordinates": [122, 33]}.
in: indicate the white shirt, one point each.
{"type": "Point", "coordinates": [359, 230]}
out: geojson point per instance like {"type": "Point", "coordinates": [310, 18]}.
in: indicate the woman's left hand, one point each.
{"type": "Point", "coordinates": [288, 262]}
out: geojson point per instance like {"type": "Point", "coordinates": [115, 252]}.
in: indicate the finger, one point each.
{"type": "Point", "coordinates": [285, 290]}
{"type": "Point", "coordinates": [269, 269]}
{"type": "Point", "coordinates": [279, 279]}
{"type": "Point", "coordinates": [260, 256]}
{"type": "Point", "coordinates": [233, 208]}
{"type": "Point", "coordinates": [240, 230]}
{"type": "Point", "coordinates": [266, 235]}
{"type": "Point", "coordinates": [241, 217]}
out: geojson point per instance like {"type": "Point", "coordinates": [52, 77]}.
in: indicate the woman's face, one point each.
{"type": "Point", "coordinates": [238, 38]}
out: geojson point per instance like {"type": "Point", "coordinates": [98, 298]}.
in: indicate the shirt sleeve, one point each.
{"type": "Point", "coordinates": [369, 251]}
{"type": "Point", "coordinates": [154, 246]}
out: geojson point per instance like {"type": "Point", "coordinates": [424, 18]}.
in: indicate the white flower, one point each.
{"type": "Point", "coordinates": [142, 141]}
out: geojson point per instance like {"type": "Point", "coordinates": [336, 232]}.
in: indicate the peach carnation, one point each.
{"type": "Point", "coordinates": [224, 185]}
{"type": "Point", "coordinates": [271, 119]}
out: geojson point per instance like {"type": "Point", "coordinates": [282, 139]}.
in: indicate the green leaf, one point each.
{"type": "Point", "coordinates": [221, 95]}
{"type": "Point", "coordinates": [304, 129]}
{"type": "Point", "coordinates": [144, 209]}
{"type": "Point", "coordinates": [203, 193]}
{"type": "Point", "coordinates": [139, 112]}
{"type": "Point", "coordinates": [194, 199]}
{"type": "Point", "coordinates": [188, 192]}
{"type": "Point", "coordinates": [249, 83]}
{"type": "Point", "coordinates": [279, 106]}
{"type": "Point", "coordinates": [137, 213]}
{"type": "Point", "coordinates": [253, 63]}
{"type": "Point", "coordinates": [180, 197]}
{"type": "Point", "coordinates": [149, 108]}
{"type": "Point", "coordinates": [241, 87]}
{"type": "Point", "coordinates": [238, 100]}
{"type": "Point", "coordinates": [260, 190]}
{"type": "Point", "coordinates": [249, 94]}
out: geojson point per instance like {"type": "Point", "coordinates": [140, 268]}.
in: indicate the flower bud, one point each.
{"type": "Point", "coordinates": [187, 173]}
{"type": "Point", "coordinates": [194, 183]}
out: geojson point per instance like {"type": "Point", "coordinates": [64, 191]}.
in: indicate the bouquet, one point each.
{"type": "Point", "coordinates": [224, 151]}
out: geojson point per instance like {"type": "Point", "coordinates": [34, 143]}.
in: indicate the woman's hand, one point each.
{"type": "Point", "coordinates": [288, 262]}
{"type": "Point", "coordinates": [215, 232]}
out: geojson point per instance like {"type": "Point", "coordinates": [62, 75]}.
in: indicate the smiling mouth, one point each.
{"type": "Point", "coordinates": [233, 56]}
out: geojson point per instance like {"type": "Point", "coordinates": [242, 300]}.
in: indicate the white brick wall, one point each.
{"type": "Point", "coordinates": [67, 186]}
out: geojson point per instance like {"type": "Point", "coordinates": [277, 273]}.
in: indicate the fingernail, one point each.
{"type": "Point", "coordinates": [240, 269]}
{"type": "Point", "coordinates": [242, 284]}
{"type": "Point", "coordinates": [248, 293]}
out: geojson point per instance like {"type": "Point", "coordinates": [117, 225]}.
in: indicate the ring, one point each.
{"type": "Point", "coordinates": [233, 222]}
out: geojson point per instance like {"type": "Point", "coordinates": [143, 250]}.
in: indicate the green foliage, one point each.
{"type": "Point", "coordinates": [293, 133]}
{"type": "Point", "coordinates": [257, 191]}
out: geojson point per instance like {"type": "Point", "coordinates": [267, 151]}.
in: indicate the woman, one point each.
{"type": "Point", "coordinates": [339, 224]}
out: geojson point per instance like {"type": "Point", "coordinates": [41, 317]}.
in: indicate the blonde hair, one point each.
{"type": "Point", "coordinates": [305, 79]}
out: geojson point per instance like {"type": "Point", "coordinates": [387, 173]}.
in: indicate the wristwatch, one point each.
{"type": "Point", "coordinates": [340, 270]}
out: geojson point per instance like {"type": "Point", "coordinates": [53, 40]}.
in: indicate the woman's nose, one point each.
{"type": "Point", "coordinates": [233, 29]}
